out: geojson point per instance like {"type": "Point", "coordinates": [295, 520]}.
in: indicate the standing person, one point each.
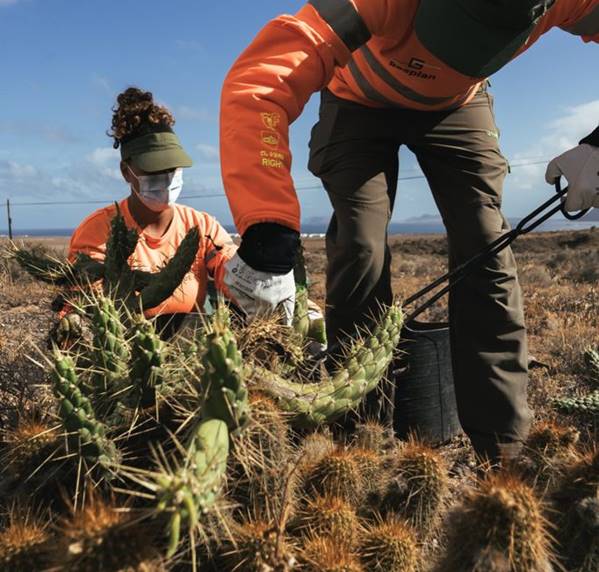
{"type": "Point", "coordinates": [152, 162]}
{"type": "Point", "coordinates": [392, 73]}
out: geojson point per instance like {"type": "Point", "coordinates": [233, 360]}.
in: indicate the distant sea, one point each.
{"type": "Point", "coordinates": [416, 227]}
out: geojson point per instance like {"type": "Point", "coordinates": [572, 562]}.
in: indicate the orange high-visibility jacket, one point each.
{"type": "Point", "coordinates": [365, 51]}
{"type": "Point", "coordinates": [151, 254]}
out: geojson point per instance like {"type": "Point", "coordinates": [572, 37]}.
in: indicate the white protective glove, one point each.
{"type": "Point", "coordinates": [257, 292]}
{"type": "Point", "coordinates": [580, 167]}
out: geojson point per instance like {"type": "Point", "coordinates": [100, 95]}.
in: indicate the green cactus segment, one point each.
{"type": "Point", "coordinates": [588, 404]}
{"type": "Point", "coordinates": [591, 358]}
{"type": "Point", "coordinates": [119, 247]}
{"type": "Point", "coordinates": [78, 416]}
{"type": "Point", "coordinates": [365, 366]}
{"type": "Point", "coordinates": [226, 392]}
{"type": "Point", "coordinates": [55, 271]}
{"type": "Point", "coordinates": [301, 318]}
{"type": "Point", "coordinates": [164, 283]}
{"type": "Point", "coordinates": [146, 363]}
{"type": "Point", "coordinates": [110, 347]}
{"type": "Point", "coordinates": [192, 489]}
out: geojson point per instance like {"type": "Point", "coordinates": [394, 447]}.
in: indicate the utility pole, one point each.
{"type": "Point", "coordinates": [9, 219]}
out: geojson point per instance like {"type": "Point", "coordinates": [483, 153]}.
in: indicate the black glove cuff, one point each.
{"type": "Point", "coordinates": [592, 139]}
{"type": "Point", "coordinates": [269, 247]}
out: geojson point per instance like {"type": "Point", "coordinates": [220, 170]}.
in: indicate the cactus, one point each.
{"type": "Point", "coordinates": [370, 467]}
{"type": "Point", "coordinates": [101, 537]}
{"type": "Point", "coordinates": [259, 454]}
{"type": "Point", "coordinates": [192, 488]}
{"type": "Point", "coordinates": [364, 367]}
{"type": "Point", "coordinates": [418, 487]}
{"type": "Point", "coordinates": [86, 434]}
{"type": "Point", "coordinates": [145, 372]}
{"type": "Point", "coordinates": [120, 281]}
{"type": "Point", "coordinates": [120, 245]}
{"type": "Point", "coordinates": [54, 270]}
{"type": "Point", "coordinates": [329, 516]}
{"type": "Point", "coordinates": [267, 342]}
{"type": "Point", "coordinates": [390, 546]}
{"type": "Point", "coordinates": [591, 359]}
{"type": "Point", "coordinates": [164, 283]}
{"type": "Point", "coordinates": [24, 543]}
{"type": "Point", "coordinates": [257, 546]}
{"type": "Point", "coordinates": [336, 474]}
{"type": "Point", "coordinates": [586, 404]}
{"type": "Point", "coordinates": [501, 517]}
{"type": "Point", "coordinates": [373, 436]}
{"type": "Point", "coordinates": [325, 555]}
{"type": "Point", "coordinates": [549, 448]}
{"type": "Point", "coordinates": [226, 392]}
{"type": "Point", "coordinates": [576, 512]}
{"type": "Point", "coordinates": [111, 350]}
{"type": "Point", "coordinates": [28, 445]}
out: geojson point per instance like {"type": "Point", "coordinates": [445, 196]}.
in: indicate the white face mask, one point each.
{"type": "Point", "coordinates": [157, 192]}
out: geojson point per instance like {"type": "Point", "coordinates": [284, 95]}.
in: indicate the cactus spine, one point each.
{"type": "Point", "coordinates": [322, 554]}
{"type": "Point", "coordinates": [363, 369]}
{"type": "Point", "coordinates": [101, 538]}
{"type": "Point", "coordinates": [501, 517]}
{"type": "Point", "coordinates": [110, 348]}
{"type": "Point", "coordinates": [336, 474]}
{"type": "Point", "coordinates": [390, 546]}
{"type": "Point", "coordinates": [86, 433]}
{"type": "Point", "coordinates": [146, 362]}
{"type": "Point", "coordinates": [329, 516]}
{"type": "Point", "coordinates": [192, 489]}
{"type": "Point", "coordinates": [576, 513]}
{"type": "Point", "coordinates": [418, 488]}
{"type": "Point", "coordinates": [227, 396]}
{"type": "Point", "coordinates": [24, 542]}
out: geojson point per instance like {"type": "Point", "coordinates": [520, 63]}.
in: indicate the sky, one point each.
{"type": "Point", "coordinates": [64, 62]}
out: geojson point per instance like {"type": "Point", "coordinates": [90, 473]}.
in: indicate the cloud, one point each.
{"type": "Point", "coordinates": [103, 155]}
{"type": "Point", "coordinates": [561, 134]}
{"type": "Point", "coordinates": [208, 152]}
{"type": "Point", "coordinates": [17, 170]}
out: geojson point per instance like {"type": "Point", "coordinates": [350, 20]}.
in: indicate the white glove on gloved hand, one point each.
{"type": "Point", "coordinates": [580, 166]}
{"type": "Point", "coordinates": [258, 292]}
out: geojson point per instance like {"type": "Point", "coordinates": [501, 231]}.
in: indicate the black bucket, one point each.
{"type": "Point", "coordinates": [425, 403]}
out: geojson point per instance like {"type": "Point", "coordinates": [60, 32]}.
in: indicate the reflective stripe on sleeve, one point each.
{"type": "Point", "coordinates": [345, 21]}
{"type": "Point", "coordinates": [587, 26]}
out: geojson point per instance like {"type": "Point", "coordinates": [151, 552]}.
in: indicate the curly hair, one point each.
{"type": "Point", "coordinates": [135, 110]}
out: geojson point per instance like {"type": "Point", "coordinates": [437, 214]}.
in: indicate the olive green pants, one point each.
{"type": "Point", "coordinates": [354, 151]}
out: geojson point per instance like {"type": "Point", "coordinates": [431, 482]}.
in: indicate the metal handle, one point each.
{"type": "Point", "coordinates": [575, 216]}
{"type": "Point", "coordinates": [528, 223]}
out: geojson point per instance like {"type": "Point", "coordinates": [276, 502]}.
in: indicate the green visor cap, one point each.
{"type": "Point", "coordinates": [477, 37]}
{"type": "Point", "coordinates": [155, 152]}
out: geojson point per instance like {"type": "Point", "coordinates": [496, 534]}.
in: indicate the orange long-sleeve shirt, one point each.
{"type": "Point", "coordinates": [216, 247]}
{"type": "Point", "coordinates": [362, 50]}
